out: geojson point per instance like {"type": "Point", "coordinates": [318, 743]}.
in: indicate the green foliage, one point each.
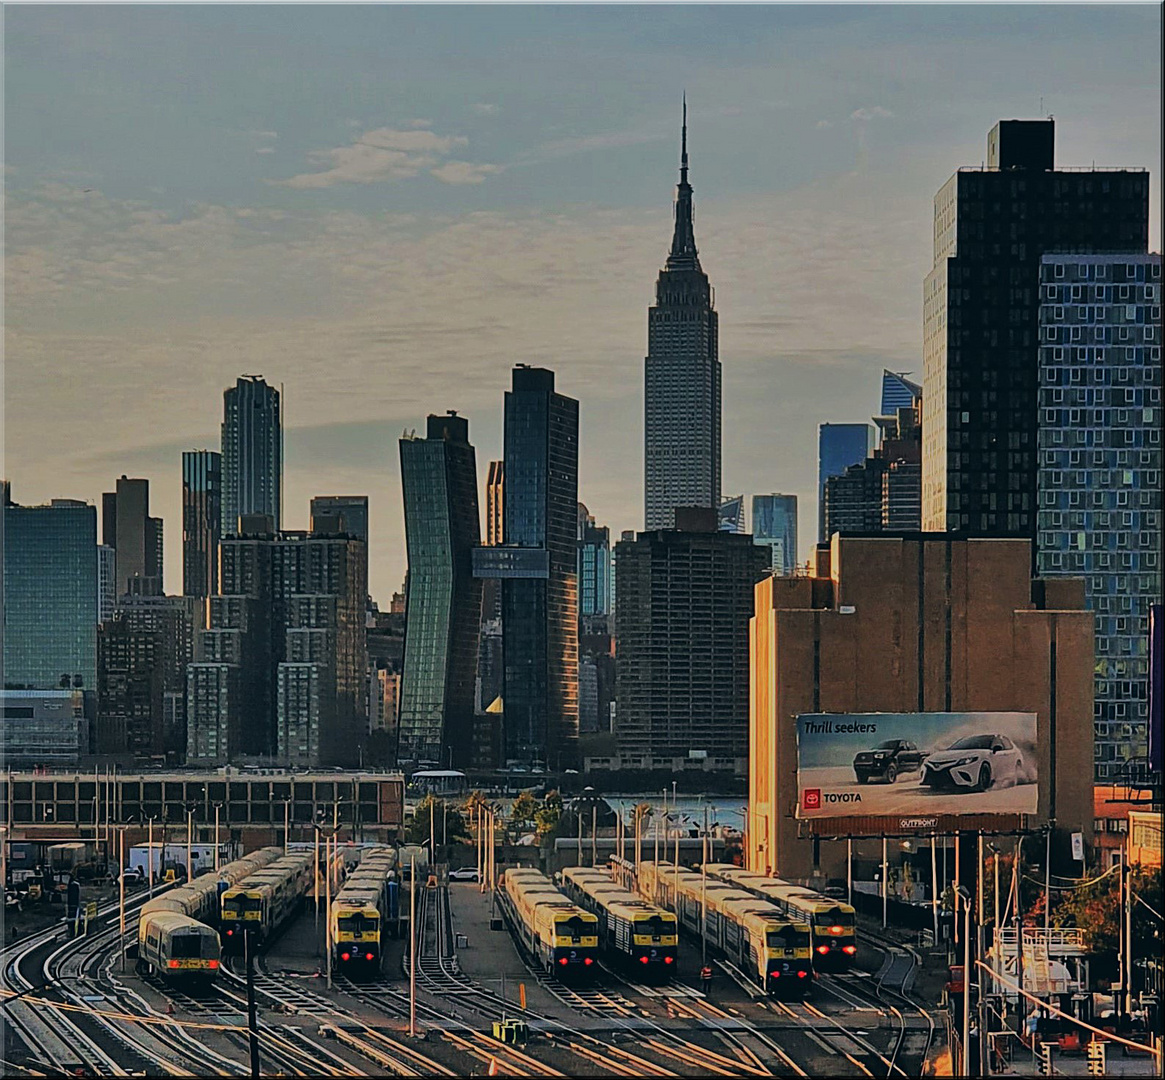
{"type": "Point", "coordinates": [522, 813]}
{"type": "Point", "coordinates": [548, 816]}
{"type": "Point", "coordinates": [1097, 907]}
{"type": "Point", "coordinates": [454, 828]}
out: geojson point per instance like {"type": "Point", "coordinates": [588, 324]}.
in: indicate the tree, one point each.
{"type": "Point", "coordinates": [1097, 907]}
{"type": "Point", "coordinates": [522, 813]}
{"type": "Point", "coordinates": [548, 816]}
{"type": "Point", "coordinates": [448, 822]}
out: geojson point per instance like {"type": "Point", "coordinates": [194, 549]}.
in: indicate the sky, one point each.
{"type": "Point", "coordinates": [383, 209]}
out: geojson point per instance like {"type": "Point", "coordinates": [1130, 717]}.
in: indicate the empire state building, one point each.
{"type": "Point", "coordinates": [681, 376]}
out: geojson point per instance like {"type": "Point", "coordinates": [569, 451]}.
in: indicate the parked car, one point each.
{"type": "Point", "coordinates": [464, 873]}
{"type": "Point", "coordinates": [887, 760]}
{"type": "Point", "coordinates": [976, 763]}
{"type": "Point", "coordinates": [133, 876]}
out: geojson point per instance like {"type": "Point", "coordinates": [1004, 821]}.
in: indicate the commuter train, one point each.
{"type": "Point", "coordinates": [632, 932]}
{"type": "Point", "coordinates": [771, 949]}
{"type": "Point", "coordinates": [361, 911]}
{"type": "Point", "coordinates": [174, 940]}
{"type": "Point", "coordinates": [832, 922]}
{"type": "Point", "coordinates": [562, 938]}
{"type": "Point", "coordinates": [262, 902]}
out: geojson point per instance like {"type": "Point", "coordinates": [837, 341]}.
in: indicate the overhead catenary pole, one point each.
{"type": "Point", "coordinates": [286, 824]}
{"type": "Point", "coordinates": [413, 946]}
{"type": "Point", "coordinates": [121, 890]}
{"type": "Point", "coordinates": [150, 854]}
{"type": "Point", "coordinates": [594, 834]}
{"type": "Point", "coordinates": [885, 884]}
{"type": "Point", "coordinates": [216, 840]}
{"type": "Point", "coordinates": [189, 843]}
{"type": "Point", "coordinates": [329, 843]}
{"type": "Point", "coordinates": [966, 1055]}
{"type": "Point", "coordinates": [934, 891]}
{"type": "Point", "coordinates": [849, 871]}
{"type": "Point", "coordinates": [317, 887]}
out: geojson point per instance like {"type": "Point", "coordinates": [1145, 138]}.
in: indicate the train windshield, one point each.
{"type": "Point", "coordinates": [241, 904]}
{"type": "Point", "coordinates": [357, 923]}
{"type": "Point", "coordinates": [573, 928]}
{"type": "Point", "coordinates": [186, 946]}
{"type": "Point", "coordinates": [655, 926]}
{"type": "Point", "coordinates": [788, 937]}
{"type": "Point", "coordinates": [827, 920]}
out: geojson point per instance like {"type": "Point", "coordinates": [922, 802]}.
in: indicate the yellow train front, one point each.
{"type": "Point", "coordinates": [360, 912]}
{"type": "Point", "coordinates": [634, 934]}
{"type": "Point", "coordinates": [562, 938]}
{"type": "Point", "coordinates": [832, 922]}
{"type": "Point", "coordinates": [262, 903]}
{"type": "Point", "coordinates": [181, 950]}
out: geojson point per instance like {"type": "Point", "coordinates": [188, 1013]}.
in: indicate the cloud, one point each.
{"type": "Point", "coordinates": [465, 172]}
{"type": "Point", "coordinates": [821, 125]}
{"type": "Point", "coordinates": [874, 113]}
{"type": "Point", "coordinates": [381, 154]}
{"type": "Point", "coordinates": [485, 108]}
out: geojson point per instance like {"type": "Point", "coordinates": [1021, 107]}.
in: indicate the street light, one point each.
{"type": "Point", "coordinates": [217, 808]}
{"type": "Point", "coordinates": [190, 810]}
{"type": "Point", "coordinates": [150, 853]}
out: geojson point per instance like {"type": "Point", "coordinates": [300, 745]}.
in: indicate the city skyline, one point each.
{"type": "Point", "coordinates": [152, 282]}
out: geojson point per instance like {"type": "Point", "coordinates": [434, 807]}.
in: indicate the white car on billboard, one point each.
{"type": "Point", "coordinates": [976, 763]}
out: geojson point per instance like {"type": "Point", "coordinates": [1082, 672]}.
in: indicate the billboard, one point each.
{"type": "Point", "coordinates": [916, 765]}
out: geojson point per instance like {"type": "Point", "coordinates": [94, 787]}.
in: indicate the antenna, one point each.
{"type": "Point", "coordinates": [1042, 113]}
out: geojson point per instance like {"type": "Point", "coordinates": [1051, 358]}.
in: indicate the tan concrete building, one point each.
{"type": "Point", "coordinates": [920, 622]}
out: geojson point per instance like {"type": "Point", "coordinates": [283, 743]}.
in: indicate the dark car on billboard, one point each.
{"type": "Point", "coordinates": [886, 760]}
{"type": "Point", "coordinates": [976, 763]}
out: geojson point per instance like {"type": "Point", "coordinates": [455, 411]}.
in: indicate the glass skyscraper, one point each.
{"type": "Point", "coordinates": [898, 392]}
{"type": "Point", "coordinates": [732, 514]}
{"type": "Point", "coordinates": [252, 453]}
{"type": "Point", "coordinates": [838, 447]}
{"type": "Point", "coordinates": [538, 568]}
{"type": "Point", "coordinates": [50, 595]}
{"type": "Point", "coordinates": [1100, 470]}
{"type": "Point", "coordinates": [201, 521]}
{"type": "Point", "coordinates": [594, 566]}
{"type": "Point", "coordinates": [774, 525]}
{"type": "Point", "coordinates": [442, 527]}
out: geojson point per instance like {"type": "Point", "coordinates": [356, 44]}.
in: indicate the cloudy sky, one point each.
{"type": "Point", "coordinates": [385, 208]}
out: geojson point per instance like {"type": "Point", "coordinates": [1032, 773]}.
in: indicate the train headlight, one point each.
{"type": "Point", "coordinates": [835, 930]}
{"type": "Point", "coordinates": [823, 949]}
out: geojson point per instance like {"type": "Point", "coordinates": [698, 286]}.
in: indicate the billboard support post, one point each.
{"type": "Point", "coordinates": [934, 885]}
{"type": "Point", "coordinates": [958, 881]}
{"type": "Point", "coordinates": [1048, 876]}
{"type": "Point", "coordinates": [885, 883]}
{"type": "Point", "coordinates": [849, 871]}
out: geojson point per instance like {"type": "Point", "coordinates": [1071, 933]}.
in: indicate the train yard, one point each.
{"type": "Point", "coordinates": [89, 1006]}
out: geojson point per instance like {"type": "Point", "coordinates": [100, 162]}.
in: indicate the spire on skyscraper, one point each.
{"type": "Point", "coordinates": [683, 254]}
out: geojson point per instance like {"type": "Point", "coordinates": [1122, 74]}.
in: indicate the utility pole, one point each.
{"type": "Point", "coordinates": [217, 806]}
{"type": "Point", "coordinates": [934, 891]}
{"type": "Point", "coordinates": [252, 1012]}
{"type": "Point", "coordinates": [121, 890]}
{"type": "Point", "coordinates": [1128, 921]}
{"type": "Point", "coordinates": [965, 896]}
{"type": "Point", "coordinates": [413, 946]}
{"type": "Point", "coordinates": [885, 884]}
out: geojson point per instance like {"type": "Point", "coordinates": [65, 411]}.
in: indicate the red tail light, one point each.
{"type": "Point", "coordinates": [213, 965]}
{"type": "Point", "coordinates": [368, 956]}
{"type": "Point", "coordinates": [345, 956]}
{"type": "Point", "coordinates": [588, 961]}
{"type": "Point", "coordinates": [823, 949]}
{"type": "Point", "coordinates": [802, 974]}
{"type": "Point", "coordinates": [669, 959]}
{"type": "Point", "coordinates": [230, 933]}
{"type": "Point", "coordinates": [835, 930]}
{"type": "Point", "coordinates": [643, 960]}
{"type": "Point", "coordinates": [849, 949]}
{"type": "Point", "coordinates": [563, 961]}
{"type": "Point", "coordinates": [774, 974]}
{"type": "Point", "coordinates": [173, 963]}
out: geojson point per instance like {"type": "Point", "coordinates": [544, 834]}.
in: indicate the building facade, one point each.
{"type": "Point", "coordinates": [732, 514]}
{"type": "Point", "coordinates": [1100, 470]}
{"type": "Point", "coordinates": [352, 510]}
{"type": "Point", "coordinates": [981, 317]}
{"type": "Point", "coordinates": [201, 521]}
{"type": "Point", "coordinates": [495, 504]}
{"type": "Point", "coordinates": [685, 599]}
{"type": "Point", "coordinates": [252, 453]}
{"type": "Point", "coordinates": [916, 623]}
{"type": "Point", "coordinates": [838, 447]}
{"type": "Point", "coordinates": [774, 525]}
{"type": "Point", "coordinates": [442, 527]}
{"type": "Point", "coordinates": [681, 376]}
{"type": "Point", "coordinates": [135, 537]}
{"type": "Point", "coordinates": [44, 729]}
{"type": "Point", "coordinates": [106, 582]}
{"type": "Point", "coordinates": [538, 568]}
{"type": "Point", "coordinates": [594, 566]}
{"type": "Point", "coordinates": [898, 392]}
{"type": "Point", "coordinates": [50, 595]}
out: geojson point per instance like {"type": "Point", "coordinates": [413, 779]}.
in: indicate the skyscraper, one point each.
{"type": "Point", "coordinates": [351, 509]}
{"type": "Point", "coordinates": [838, 447]}
{"type": "Point", "coordinates": [135, 537]}
{"type": "Point", "coordinates": [252, 453]}
{"type": "Point", "coordinates": [981, 306]}
{"type": "Point", "coordinates": [685, 600]}
{"type": "Point", "coordinates": [201, 521]}
{"type": "Point", "coordinates": [106, 581]}
{"type": "Point", "coordinates": [1100, 468]}
{"type": "Point", "coordinates": [898, 392]}
{"type": "Point", "coordinates": [681, 376]}
{"type": "Point", "coordinates": [538, 566]}
{"type": "Point", "coordinates": [495, 494]}
{"type": "Point", "coordinates": [50, 595]}
{"type": "Point", "coordinates": [732, 514]}
{"type": "Point", "coordinates": [594, 566]}
{"type": "Point", "coordinates": [442, 526]}
{"type": "Point", "coordinates": [774, 525]}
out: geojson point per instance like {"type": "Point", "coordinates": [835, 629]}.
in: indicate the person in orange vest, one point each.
{"type": "Point", "coordinates": [706, 977]}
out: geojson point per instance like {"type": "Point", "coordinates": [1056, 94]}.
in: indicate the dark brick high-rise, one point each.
{"type": "Point", "coordinates": [981, 307]}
